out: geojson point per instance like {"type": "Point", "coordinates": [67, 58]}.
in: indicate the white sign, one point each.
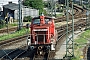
{"type": "Point", "coordinates": [40, 30]}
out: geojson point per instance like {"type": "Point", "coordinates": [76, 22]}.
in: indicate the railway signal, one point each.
{"type": "Point", "coordinates": [7, 20]}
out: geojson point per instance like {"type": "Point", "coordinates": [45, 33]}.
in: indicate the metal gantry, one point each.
{"type": "Point", "coordinates": [88, 16]}
{"type": "Point", "coordinates": [69, 34]}
{"type": "Point", "coordinates": [52, 7]}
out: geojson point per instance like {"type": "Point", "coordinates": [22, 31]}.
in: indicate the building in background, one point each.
{"type": "Point", "coordinates": [10, 8]}
{"type": "Point", "coordinates": [4, 2]}
{"type": "Point", "coordinates": [13, 10]}
{"type": "Point", "coordinates": [26, 12]}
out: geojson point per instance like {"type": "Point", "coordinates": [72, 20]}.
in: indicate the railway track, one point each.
{"type": "Point", "coordinates": [79, 13]}
{"type": "Point", "coordinates": [12, 55]}
{"type": "Point", "coordinates": [12, 49]}
{"type": "Point", "coordinates": [9, 30]}
{"type": "Point", "coordinates": [61, 32]}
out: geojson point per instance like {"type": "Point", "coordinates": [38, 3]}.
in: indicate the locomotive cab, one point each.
{"type": "Point", "coordinates": [43, 35]}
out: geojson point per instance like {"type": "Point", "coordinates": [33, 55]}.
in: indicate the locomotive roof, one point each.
{"type": "Point", "coordinates": [44, 16]}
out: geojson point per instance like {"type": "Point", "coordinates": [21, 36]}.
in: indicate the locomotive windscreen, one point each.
{"type": "Point", "coordinates": [37, 21]}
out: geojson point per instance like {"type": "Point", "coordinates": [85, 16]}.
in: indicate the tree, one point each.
{"type": "Point", "coordinates": [27, 19]}
{"type": "Point", "coordinates": [37, 4]}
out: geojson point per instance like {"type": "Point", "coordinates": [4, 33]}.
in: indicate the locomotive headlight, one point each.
{"type": "Point", "coordinates": [41, 52]}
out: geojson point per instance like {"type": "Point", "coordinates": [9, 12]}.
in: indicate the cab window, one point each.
{"type": "Point", "coordinates": [36, 21]}
{"type": "Point", "coordinates": [47, 20]}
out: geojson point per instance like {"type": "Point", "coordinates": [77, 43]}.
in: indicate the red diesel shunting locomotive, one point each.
{"type": "Point", "coordinates": [43, 34]}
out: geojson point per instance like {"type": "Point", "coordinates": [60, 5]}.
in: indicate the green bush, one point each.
{"type": "Point", "coordinates": [61, 10]}
{"type": "Point", "coordinates": [45, 13]}
{"type": "Point", "coordinates": [27, 19]}
{"type": "Point", "coordinates": [1, 24]}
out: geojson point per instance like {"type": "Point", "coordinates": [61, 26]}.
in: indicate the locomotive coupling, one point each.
{"type": "Point", "coordinates": [40, 48]}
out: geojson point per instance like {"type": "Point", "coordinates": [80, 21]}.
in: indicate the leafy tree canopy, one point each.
{"type": "Point", "coordinates": [37, 4]}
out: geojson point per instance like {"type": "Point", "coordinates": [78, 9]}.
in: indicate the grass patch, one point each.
{"type": "Point", "coordinates": [13, 35]}
{"type": "Point", "coordinates": [86, 34]}
{"type": "Point", "coordinates": [59, 15]}
{"type": "Point", "coordinates": [14, 24]}
{"type": "Point", "coordinates": [79, 42]}
{"type": "Point", "coordinates": [83, 37]}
